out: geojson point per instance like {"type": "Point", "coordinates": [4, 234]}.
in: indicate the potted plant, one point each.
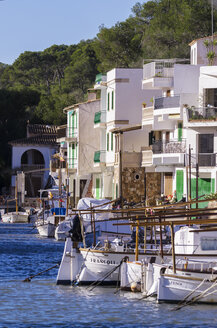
{"type": "Point", "coordinates": [144, 104]}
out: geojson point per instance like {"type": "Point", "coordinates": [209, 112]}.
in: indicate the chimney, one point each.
{"type": "Point", "coordinates": [91, 94]}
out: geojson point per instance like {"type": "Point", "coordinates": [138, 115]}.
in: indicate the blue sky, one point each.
{"type": "Point", "coordinates": [34, 25]}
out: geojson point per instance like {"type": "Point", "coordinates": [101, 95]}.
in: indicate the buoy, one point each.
{"type": "Point", "coordinates": [135, 287]}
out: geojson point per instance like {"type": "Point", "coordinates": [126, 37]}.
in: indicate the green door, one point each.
{"type": "Point", "coordinates": [97, 188]}
{"type": "Point", "coordinates": [179, 184]}
{"type": "Point", "coordinates": [205, 186]}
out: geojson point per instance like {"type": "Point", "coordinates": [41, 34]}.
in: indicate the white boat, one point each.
{"type": "Point", "coordinates": [102, 264]}
{"type": "Point", "coordinates": [15, 217]}
{"type": "Point", "coordinates": [19, 217]}
{"type": "Point", "coordinates": [48, 220]}
{"type": "Point", "coordinates": [6, 218]}
{"type": "Point", "coordinates": [45, 229]}
{"type": "Point", "coordinates": [62, 229]}
{"type": "Point", "coordinates": [195, 283]}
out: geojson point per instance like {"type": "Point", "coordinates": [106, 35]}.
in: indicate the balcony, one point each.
{"type": "Point", "coordinates": [158, 74]}
{"type": "Point", "coordinates": [56, 164]}
{"type": "Point", "coordinates": [147, 155]}
{"type": "Point", "coordinates": [207, 159]}
{"type": "Point", "coordinates": [169, 153]}
{"type": "Point", "coordinates": [99, 158]}
{"type": "Point", "coordinates": [129, 159]}
{"type": "Point", "coordinates": [147, 115]}
{"type": "Point", "coordinates": [174, 146]}
{"type": "Point", "coordinates": [99, 119]}
{"type": "Point", "coordinates": [202, 114]}
{"type": "Point", "coordinates": [167, 102]}
{"type": "Point", "coordinates": [72, 164]}
{"type": "Point", "coordinates": [71, 134]}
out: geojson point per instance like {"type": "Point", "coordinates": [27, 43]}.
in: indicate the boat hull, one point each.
{"type": "Point", "coordinates": [46, 230]}
{"type": "Point", "coordinates": [174, 289]}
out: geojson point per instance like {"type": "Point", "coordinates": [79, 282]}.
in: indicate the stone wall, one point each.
{"type": "Point", "coordinates": [134, 187]}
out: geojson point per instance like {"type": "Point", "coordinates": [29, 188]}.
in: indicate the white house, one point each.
{"type": "Point", "coordinates": [121, 103]}
{"type": "Point", "coordinates": [32, 156]}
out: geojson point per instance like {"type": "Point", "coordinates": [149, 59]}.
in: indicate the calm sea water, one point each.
{"type": "Point", "coordinates": [40, 303]}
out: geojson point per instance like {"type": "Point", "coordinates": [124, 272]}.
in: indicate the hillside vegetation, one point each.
{"type": "Point", "coordinates": [38, 85]}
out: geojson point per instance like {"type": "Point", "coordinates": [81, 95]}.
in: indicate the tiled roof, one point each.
{"type": "Point", "coordinates": [36, 140]}
{"type": "Point", "coordinates": [66, 109]}
{"type": "Point", "coordinates": [40, 129]}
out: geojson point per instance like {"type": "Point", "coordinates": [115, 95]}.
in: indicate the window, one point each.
{"type": "Point", "coordinates": [205, 143]}
{"type": "Point", "coordinates": [112, 100]}
{"type": "Point", "coordinates": [107, 141]}
{"type": "Point", "coordinates": [210, 97]}
{"type": "Point", "coordinates": [209, 244]}
{"type": "Point", "coordinates": [151, 138]}
{"type": "Point", "coordinates": [108, 101]}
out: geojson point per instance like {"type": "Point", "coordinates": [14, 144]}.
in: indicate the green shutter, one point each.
{"type": "Point", "coordinates": [112, 99]}
{"type": "Point", "coordinates": [116, 190]}
{"type": "Point", "coordinates": [97, 157]}
{"type": "Point", "coordinates": [179, 184]}
{"type": "Point", "coordinates": [73, 154]}
{"type": "Point", "coordinates": [97, 117]}
{"type": "Point", "coordinates": [180, 131]}
{"type": "Point", "coordinates": [107, 141]}
{"type": "Point", "coordinates": [97, 188]}
{"type": "Point", "coordinates": [213, 185]}
{"type": "Point", "coordinates": [111, 141]}
{"type": "Point", "coordinates": [108, 101]}
{"type": "Point", "coordinates": [204, 188]}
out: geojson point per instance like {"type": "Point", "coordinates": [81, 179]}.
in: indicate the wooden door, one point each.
{"type": "Point", "coordinates": [168, 184]}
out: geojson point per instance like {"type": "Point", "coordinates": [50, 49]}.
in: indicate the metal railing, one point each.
{"type": "Point", "coordinates": [31, 167]}
{"type": "Point", "coordinates": [167, 102]}
{"type": "Point", "coordinates": [173, 146]}
{"type": "Point", "coordinates": [202, 113]}
{"type": "Point", "coordinates": [158, 69]}
{"type": "Point", "coordinates": [207, 159]}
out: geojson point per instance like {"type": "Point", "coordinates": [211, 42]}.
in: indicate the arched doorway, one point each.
{"type": "Point", "coordinates": [32, 164]}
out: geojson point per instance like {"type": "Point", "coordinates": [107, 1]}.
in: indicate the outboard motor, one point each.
{"type": "Point", "coordinates": [75, 232]}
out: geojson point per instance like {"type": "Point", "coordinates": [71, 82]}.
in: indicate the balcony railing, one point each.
{"type": "Point", "coordinates": [207, 159]}
{"type": "Point", "coordinates": [158, 69]}
{"type": "Point", "coordinates": [57, 164]}
{"type": "Point", "coordinates": [203, 113]}
{"type": "Point", "coordinates": [32, 167]}
{"type": "Point", "coordinates": [169, 147]}
{"type": "Point", "coordinates": [167, 102]}
{"type": "Point", "coordinates": [99, 156]}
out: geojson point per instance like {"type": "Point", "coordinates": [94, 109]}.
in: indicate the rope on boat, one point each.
{"type": "Point", "coordinates": [99, 281]}
{"type": "Point", "coordinates": [194, 299]}
{"type": "Point", "coordinates": [28, 279]}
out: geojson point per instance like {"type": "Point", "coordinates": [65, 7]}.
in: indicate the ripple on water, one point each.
{"type": "Point", "coordinates": [41, 303]}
